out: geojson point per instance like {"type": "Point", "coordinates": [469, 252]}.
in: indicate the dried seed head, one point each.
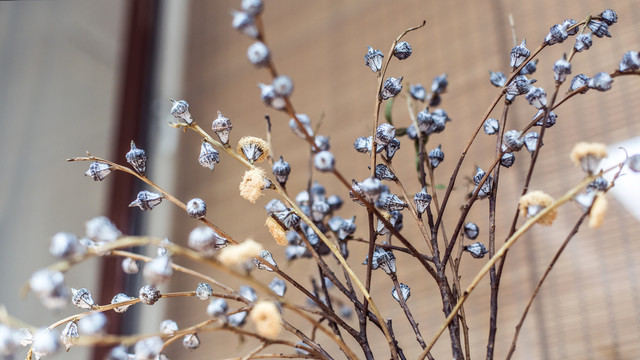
{"type": "Point", "coordinates": [206, 241]}
{"type": "Point", "coordinates": [252, 7]}
{"type": "Point", "coordinates": [121, 297]}
{"type": "Point", "coordinates": [392, 147]}
{"type": "Point", "coordinates": [147, 200]}
{"type": "Point", "coordinates": [209, 156]}
{"type": "Point", "coordinates": [530, 68]}
{"type": "Point", "coordinates": [283, 85]}
{"type": "Point", "coordinates": [561, 69]}
{"type": "Point", "coordinates": [66, 245]}
{"type": "Point", "coordinates": [148, 348]}
{"type": "Point", "coordinates": [119, 353]}
{"type": "Point", "coordinates": [324, 161]}
{"type": "Point", "coordinates": [497, 79]}
{"type": "Point", "coordinates": [253, 149]}
{"type": "Point", "coordinates": [306, 124]}
{"type": "Point", "coordinates": [322, 142]}
{"type": "Point", "coordinates": [239, 254]}
{"type": "Point", "coordinates": [384, 260]}
{"type": "Point", "coordinates": [391, 87]}
{"type": "Point", "coordinates": [531, 141]}
{"type": "Point", "coordinates": [101, 228]}
{"type": "Point", "coordinates": [557, 34]}
{"type": "Point", "coordinates": [512, 141]}
{"type": "Point", "coordinates": [204, 291]}
{"type": "Point", "coordinates": [599, 28]}
{"type": "Point", "coordinates": [217, 307]}
{"type": "Point", "coordinates": [471, 230]}
{"type": "Point", "coordinates": [222, 127]}
{"type": "Point", "coordinates": [535, 201]}
{"type": "Point", "coordinates": [288, 218]}
{"type": "Point", "coordinates": [281, 169]}
{"type": "Point", "coordinates": [519, 54]}
{"type": "Point", "coordinates": [196, 208]}
{"type": "Point", "coordinates": [422, 200]}
{"type": "Point", "coordinates": [507, 159]}
{"type": "Point", "coordinates": [598, 184]}
{"type": "Point", "coordinates": [8, 341]}
{"type": "Point", "coordinates": [248, 293]}
{"type": "Point", "coordinates": [278, 286]}
{"type": "Point", "coordinates": [267, 319]}
{"type": "Point", "coordinates": [266, 256]}
{"type": "Point", "coordinates": [491, 126]}
{"type": "Point", "coordinates": [335, 202]}
{"type": "Point", "coordinates": [436, 156]}
{"type": "Point", "coordinates": [245, 23]}
{"type": "Point", "coordinates": [347, 227]}
{"type": "Point", "coordinates": [418, 92]}
{"type": "Point", "coordinates": [551, 118]}
{"type": "Point", "coordinates": [609, 16]}
{"type": "Point", "coordinates": [270, 98]}
{"type": "Point", "coordinates": [485, 190]}
{"type": "Point", "coordinates": [319, 210]}
{"type": "Point", "coordinates": [191, 341]}
{"type": "Point", "coordinates": [588, 155]}
{"type": "Point", "coordinates": [405, 291]}
{"type": "Point", "coordinates": [477, 250]}
{"type": "Point", "coordinates": [519, 86]}
{"type": "Point", "coordinates": [275, 206]}
{"type": "Point", "coordinates": [180, 110]}
{"type": "Point", "coordinates": [258, 54]}
{"type": "Point", "coordinates": [45, 343]}
{"type": "Point", "coordinates": [371, 189]}
{"type": "Point", "coordinates": [98, 171]}
{"type": "Point", "coordinates": [137, 158]}
{"type": "Point", "coordinates": [402, 50]}
{"type": "Point", "coordinates": [158, 270]}
{"type": "Point", "coordinates": [385, 133]}
{"type": "Point", "coordinates": [94, 323]}
{"type": "Point", "coordinates": [391, 202]}
{"type": "Point", "coordinates": [149, 294]}
{"type": "Point", "coordinates": [630, 61]}
{"type": "Point", "coordinates": [634, 163]}
{"type": "Point", "coordinates": [598, 210]}
{"type": "Point", "coordinates": [567, 24]}
{"type": "Point", "coordinates": [253, 182]}
{"type": "Point", "coordinates": [583, 42]}
{"type": "Point", "coordinates": [373, 59]}
{"type": "Point", "coordinates": [69, 336]}
{"type": "Point", "coordinates": [383, 173]}
{"type": "Point", "coordinates": [276, 231]}
{"type": "Point", "coordinates": [580, 81]}
{"type": "Point", "coordinates": [82, 298]}
{"type": "Point", "coordinates": [439, 84]}
{"type": "Point", "coordinates": [168, 327]}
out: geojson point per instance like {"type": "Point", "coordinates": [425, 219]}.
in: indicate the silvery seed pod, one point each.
{"type": "Point", "coordinates": [322, 142]}
{"type": "Point", "coordinates": [23, 336]}
{"type": "Point", "coordinates": [580, 81]}
{"type": "Point", "coordinates": [507, 159]}
{"type": "Point", "coordinates": [385, 133]}
{"type": "Point", "coordinates": [270, 98]}
{"type": "Point", "coordinates": [137, 158]}
{"type": "Point", "coordinates": [252, 7]}
{"type": "Point", "coordinates": [289, 218]}
{"type": "Point", "coordinates": [630, 61]}
{"type": "Point", "coordinates": [100, 228]}
{"type": "Point", "coordinates": [69, 336]}
{"type": "Point", "coordinates": [530, 68]}
{"type": "Point", "coordinates": [436, 156]}
{"type": "Point", "coordinates": [391, 87]}
{"type": "Point", "coordinates": [598, 184]}
{"type": "Point", "coordinates": [196, 208]}
{"type": "Point", "coordinates": [583, 42]}
{"type": "Point", "coordinates": [497, 79]}
{"type": "Point", "coordinates": [345, 311]}
{"type": "Point", "coordinates": [392, 147]}
{"type": "Point", "coordinates": [295, 252]}
{"type": "Point", "coordinates": [319, 210]}
{"type": "Point", "coordinates": [149, 294]}
{"type": "Point", "coordinates": [217, 307]}
{"type": "Point", "coordinates": [119, 353]}
{"type": "Point", "coordinates": [163, 247]}
{"type": "Point", "coordinates": [362, 144]}
{"type": "Point", "coordinates": [206, 241]}
{"type": "Point", "coordinates": [519, 54]}
{"type": "Point", "coordinates": [237, 319]}
{"type": "Point", "coordinates": [191, 341]}
{"type": "Point", "coordinates": [561, 69]}
{"type": "Point", "coordinates": [94, 323]}
{"type": "Point", "coordinates": [148, 348]}
{"type": "Point", "coordinates": [371, 189]}
{"type": "Point", "coordinates": [373, 59]}
{"type": "Point", "coordinates": [512, 141]}
{"type": "Point", "coordinates": [551, 119]}
{"type": "Point", "coordinates": [356, 189]}
{"type": "Point", "coordinates": [491, 126]}
{"type": "Point", "coordinates": [486, 188]}
{"type": "Point", "coordinates": [275, 206]}
{"type": "Point", "coordinates": [585, 199]}
{"type": "Point", "coordinates": [66, 245]}
{"type": "Point", "coordinates": [266, 256]}
{"type": "Point", "coordinates": [204, 291]}
{"type": "Point", "coordinates": [600, 81]}
{"type": "Point", "coordinates": [335, 202]}
{"type": "Point", "coordinates": [45, 343]}
{"type": "Point", "coordinates": [347, 228]}
{"type": "Point", "coordinates": [8, 341]}
{"type": "Point", "coordinates": [477, 178]}
{"type": "Point", "coordinates": [222, 127]}
{"type": "Point", "coordinates": [557, 34]}
{"type": "Point", "coordinates": [248, 293]}
{"type": "Point", "coordinates": [118, 298]}
{"type": "Point", "coordinates": [599, 28]}
{"type": "Point", "coordinates": [82, 298]}
{"type": "Point", "coordinates": [569, 23]}
{"type": "Point", "coordinates": [412, 132]}
{"type": "Point", "coordinates": [537, 97]}
{"type": "Point", "coordinates": [439, 84]}
{"type": "Point", "coordinates": [471, 230]}
{"type": "Point", "coordinates": [45, 281]}
{"type": "Point", "coordinates": [609, 17]}
{"type": "Point", "coordinates": [477, 250]}
{"type": "Point", "coordinates": [634, 163]}
{"type": "Point", "coordinates": [306, 124]}
{"type": "Point", "coordinates": [384, 260]}
{"type": "Point", "coordinates": [391, 202]}
{"type": "Point", "coordinates": [283, 85]}
{"type": "Point", "coordinates": [278, 286]}
{"type": "Point", "coordinates": [324, 161]}
{"type": "Point", "coordinates": [519, 86]}
{"type": "Point", "coordinates": [258, 54]}
{"type": "Point", "coordinates": [281, 169]}
{"type": "Point", "coordinates": [405, 291]}
{"type": "Point", "coordinates": [98, 171]}
{"type": "Point", "coordinates": [531, 141]}
{"type": "Point", "coordinates": [383, 173]}
{"type": "Point", "coordinates": [245, 23]}
{"type": "Point", "coordinates": [209, 156]}
{"type": "Point", "coordinates": [180, 110]}
{"type": "Point", "coordinates": [422, 200]}
{"type": "Point", "coordinates": [158, 270]}
{"type": "Point", "coordinates": [147, 200]}
{"type": "Point", "coordinates": [402, 50]}
{"type": "Point", "coordinates": [418, 92]}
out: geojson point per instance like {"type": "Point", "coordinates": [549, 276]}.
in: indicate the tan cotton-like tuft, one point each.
{"type": "Point", "coordinates": [267, 319]}
{"type": "Point", "coordinates": [598, 210]}
{"type": "Point", "coordinates": [239, 254]}
{"type": "Point", "coordinates": [252, 184]}
{"type": "Point", "coordinates": [250, 146]}
{"type": "Point", "coordinates": [276, 231]}
{"type": "Point", "coordinates": [533, 202]}
{"type": "Point", "coordinates": [583, 150]}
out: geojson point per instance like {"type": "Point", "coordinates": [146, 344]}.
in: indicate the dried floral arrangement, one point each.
{"type": "Point", "coordinates": [308, 226]}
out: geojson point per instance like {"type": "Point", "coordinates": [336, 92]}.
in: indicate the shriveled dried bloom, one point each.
{"type": "Point", "coordinates": [533, 202]}
{"type": "Point", "coordinates": [252, 184]}
{"type": "Point", "coordinates": [239, 254]}
{"type": "Point", "coordinates": [588, 155]}
{"type": "Point", "coordinates": [253, 149]}
{"type": "Point", "coordinates": [276, 231]}
{"type": "Point", "coordinates": [267, 319]}
{"type": "Point", "coordinates": [598, 210]}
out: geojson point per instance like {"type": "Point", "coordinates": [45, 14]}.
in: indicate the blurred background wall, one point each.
{"type": "Point", "coordinates": [62, 93]}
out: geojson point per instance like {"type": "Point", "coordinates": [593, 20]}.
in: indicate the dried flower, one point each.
{"type": "Point", "coordinates": [253, 7]}
{"type": "Point", "coordinates": [561, 69]}
{"type": "Point", "coordinates": [180, 110]}
{"type": "Point", "coordinates": [191, 341]}
{"type": "Point", "coordinates": [278, 286]}
{"type": "Point", "coordinates": [402, 50]}
{"type": "Point", "coordinates": [583, 42]}
{"type": "Point", "coordinates": [418, 92]}
{"type": "Point", "coordinates": [634, 163]}
{"type": "Point", "coordinates": [579, 81]}
{"type": "Point", "coordinates": [276, 231]}
{"type": "Point", "coordinates": [491, 126]}
{"type": "Point", "coordinates": [267, 319]}
{"type": "Point", "coordinates": [598, 184]}
{"type": "Point", "coordinates": [270, 97]}
{"type": "Point", "coordinates": [49, 286]}
{"type": "Point", "coordinates": [217, 307]}
{"type": "Point", "coordinates": [531, 141]}
{"type": "Point", "coordinates": [306, 125]}
{"type": "Point", "coordinates": [535, 201]}
{"type": "Point", "coordinates": [252, 184]}
{"type": "Point", "coordinates": [82, 298]}
{"type": "Point", "coordinates": [383, 259]}
{"type": "Point", "coordinates": [497, 79]}
{"type": "Point", "coordinates": [567, 24]}
{"type": "Point", "coordinates": [537, 97]}
{"type": "Point", "coordinates": [253, 149]}
{"type": "Point", "coordinates": [66, 245]}
{"type": "Point", "coordinates": [391, 87]}
{"type": "Point", "coordinates": [551, 118]}
{"type": "Point", "coordinates": [196, 208]}
{"type": "Point", "coordinates": [204, 291]}
{"type": "Point", "coordinates": [598, 210]}
{"type": "Point", "coordinates": [239, 254]}
{"type": "Point", "coordinates": [385, 133]}
{"type": "Point", "coordinates": [436, 156]}
{"type": "Point", "coordinates": [383, 173]}
{"type": "Point", "coordinates": [289, 218]}
{"type": "Point", "coordinates": [630, 61]}
{"type": "Point", "coordinates": [471, 230]}
{"type": "Point", "coordinates": [599, 28]}
{"type": "Point", "coordinates": [149, 294]}
{"type": "Point", "coordinates": [405, 292]}
{"type": "Point", "coordinates": [148, 348]}
{"type": "Point", "coordinates": [168, 327]}
{"type": "Point", "coordinates": [324, 161]}
{"type": "Point", "coordinates": [45, 343]}
{"type": "Point", "coordinates": [371, 188]}
{"type": "Point", "coordinates": [609, 16]}
{"type": "Point", "coordinates": [245, 23]}
{"type": "Point", "coordinates": [283, 85]}
{"type": "Point", "coordinates": [422, 200]}
{"type": "Point", "coordinates": [93, 323]}
{"type": "Point", "coordinates": [158, 270]}
{"type": "Point", "coordinates": [266, 256]}
{"type": "Point", "coordinates": [519, 86]}
{"type": "Point", "coordinates": [373, 59]}
{"type": "Point", "coordinates": [258, 54]}
{"type": "Point", "coordinates": [390, 202]}
{"type": "Point", "coordinates": [512, 141]}
{"type": "Point", "coordinates": [507, 159]}
{"type": "Point", "coordinates": [206, 241]}
{"type": "Point", "coordinates": [519, 54]}
{"type": "Point", "coordinates": [137, 158]}
{"type": "Point", "coordinates": [557, 34]}
{"type": "Point", "coordinates": [322, 142]}
{"type": "Point", "coordinates": [248, 293]}
{"type": "Point", "coordinates": [118, 298]}
{"type": "Point", "coordinates": [529, 68]}
{"type": "Point", "coordinates": [319, 210]}
{"type": "Point", "coordinates": [147, 200]}
{"type": "Point", "coordinates": [222, 127]}
{"type": "Point", "coordinates": [477, 250]}
{"type": "Point", "coordinates": [98, 171]}
{"type": "Point", "coordinates": [335, 202]}
{"type": "Point", "coordinates": [209, 156]}
{"type": "Point", "coordinates": [588, 155]}
{"type": "Point", "coordinates": [69, 336]}
{"type": "Point", "coordinates": [439, 84]}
